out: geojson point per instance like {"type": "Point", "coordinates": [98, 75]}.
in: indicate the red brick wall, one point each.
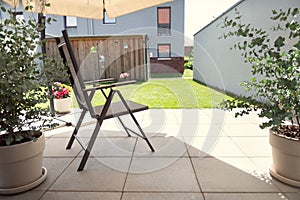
{"type": "Point", "coordinates": [172, 65]}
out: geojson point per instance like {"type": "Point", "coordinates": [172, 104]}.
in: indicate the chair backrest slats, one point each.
{"type": "Point", "coordinates": [69, 60]}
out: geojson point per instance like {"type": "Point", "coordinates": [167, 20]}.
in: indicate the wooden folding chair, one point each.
{"type": "Point", "coordinates": [84, 96]}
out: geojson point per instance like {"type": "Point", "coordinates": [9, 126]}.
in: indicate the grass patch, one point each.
{"type": "Point", "coordinates": [168, 93]}
{"type": "Point", "coordinates": [188, 73]}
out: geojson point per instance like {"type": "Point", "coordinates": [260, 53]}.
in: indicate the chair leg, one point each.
{"type": "Point", "coordinates": [135, 121]}
{"type": "Point", "coordinates": [126, 130]}
{"type": "Point", "coordinates": [100, 120]}
{"type": "Point", "coordinates": [90, 146]}
{"type": "Point", "coordinates": [72, 138]}
{"type": "Point", "coordinates": [103, 93]}
{"type": "Point", "coordinates": [142, 132]}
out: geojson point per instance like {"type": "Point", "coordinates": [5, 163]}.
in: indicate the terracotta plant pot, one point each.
{"type": "Point", "coordinates": [286, 159]}
{"type": "Point", "coordinates": [63, 105]}
{"type": "Point", "coordinates": [21, 166]}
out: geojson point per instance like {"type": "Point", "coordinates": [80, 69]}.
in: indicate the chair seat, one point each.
{"type": "Point", "coordinates": [117, 109]}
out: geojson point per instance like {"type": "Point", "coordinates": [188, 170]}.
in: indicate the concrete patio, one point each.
{"type": "Point", "coordinates": [200, 154]}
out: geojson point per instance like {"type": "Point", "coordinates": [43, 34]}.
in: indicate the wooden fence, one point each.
{"type": "Point", "coordinates": [108, 56]}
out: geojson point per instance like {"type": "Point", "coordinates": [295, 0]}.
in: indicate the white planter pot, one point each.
{"type": "Point", "coordinates": [63, 105]}
{"type": "Point", "coordinates": [21, 166]}
{"type": "Point", "coordinates": [286, 159]}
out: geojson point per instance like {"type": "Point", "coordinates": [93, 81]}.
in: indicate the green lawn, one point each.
{"type": "Point", "coordinates": [168, 93]}
{"type": "Point", "coordinates": [180, 92]}
{"type": "Point", "coordinates": [187, 73]}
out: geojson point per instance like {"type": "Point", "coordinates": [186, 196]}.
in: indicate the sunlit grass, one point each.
{"type": "Point", "coordinates": [188, 73]}
{"type": "Point", "coordinates": [168, 93]}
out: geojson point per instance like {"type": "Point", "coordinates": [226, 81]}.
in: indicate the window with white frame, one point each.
{"type": "Point", "coordinates": [164, 50]}
{"type": "Point", "coordinates": [71, 22]}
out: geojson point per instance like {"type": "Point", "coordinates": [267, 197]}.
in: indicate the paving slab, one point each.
{"type": "Point", "coordinates": [262, 163]}
{"type": "Point", "coordinates": [254, 146]}
{"type": "Point", "coordinates": [164, 147]}
{"type": "Point", "coordinates": [95, 177]}
{"type": "Point", "coordinates": [166, 130]}
{"type": "Point", "coordinates": [112, 147]}
{"type": "Point", "coordinates": [71, 195]}
{"type": "Point", "coordinates": [212, 146]}
{"type": "Point", "coordinates": [158, 117]}
{"type": "Point", "coordinates": [55, 167]}
{"type": "Point", "coordinates": [245, 196]}
{"type": "Point", "coordinates": [244, 130]}
{"type": "Point", "coordinates": [161, 175]}
{"type": "Point", "coordinates": [29, 195]}
{"type": "Point", "coordinates": [65, 131]}
{"type": "Point", "coordinates": [111, 130]}
{"type": "Point", "coordinates": [56, 147]}
{"type": "Point", "coordinates": [292, 196]}
{"type": "Point", "coordinates": [162, 196]}
{"type": "Point", "coordinates": [201, 130]}
{"type": "Point", "coordinates": [218, 176]}
{"type": "Point", "coordinates": [190, 116]}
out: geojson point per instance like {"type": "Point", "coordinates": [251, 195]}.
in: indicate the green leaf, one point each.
{"type": "Point", "coordinates": [279, 42]}
{"type": "Point", "coordinates": [18, 137]}
{"type": "Point", "coordinates": [295, 12]}
{"type": "Point", "coordinates": [9, 140]}
{"type": "Point", "coordinates": [297, 45]}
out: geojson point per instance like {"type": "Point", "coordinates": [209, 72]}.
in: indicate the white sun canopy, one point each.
{"type": "Point", "coordinates": [86, 8]}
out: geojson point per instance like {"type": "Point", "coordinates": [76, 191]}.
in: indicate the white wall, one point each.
{"type": "Point", "coordinates": [218, 66]}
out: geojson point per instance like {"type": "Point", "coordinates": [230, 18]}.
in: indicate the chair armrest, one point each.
{"type": "Point", "coordinates": [110, 85]}
{"type": "Point", "coordinates": [100, 81]}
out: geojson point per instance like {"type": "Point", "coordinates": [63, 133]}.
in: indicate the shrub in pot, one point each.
{"type": "Point", "coordinates": [24, 77]}
{"type": "Point", "coordinates": [274, 90]}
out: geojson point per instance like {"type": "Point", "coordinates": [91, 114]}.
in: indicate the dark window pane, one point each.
{"type": "Point", "coordinates": [164, 21]}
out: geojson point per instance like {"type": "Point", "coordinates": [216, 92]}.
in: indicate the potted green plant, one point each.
{"type": "Point", "coordinates": [24, 77]}
{"type": "Point", "coordinates": [274, 91]}
{"type": "Point", "coordinates": [62, 98]}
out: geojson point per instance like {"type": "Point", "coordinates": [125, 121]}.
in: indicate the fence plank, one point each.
{"type": "Point", "coordinates": [107, 56]}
